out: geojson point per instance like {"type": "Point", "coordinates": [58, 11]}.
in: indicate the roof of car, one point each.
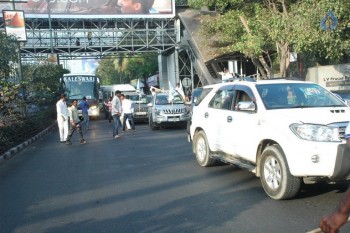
{"type": "Point", "coordinates": [263, 81]}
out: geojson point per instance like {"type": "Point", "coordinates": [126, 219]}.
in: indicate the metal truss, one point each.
{"type": "Point", "coordinates": [97, 38]}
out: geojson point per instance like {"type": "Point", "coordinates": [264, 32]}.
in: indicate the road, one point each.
{"type": "Point", "coordinates": [145, 182]}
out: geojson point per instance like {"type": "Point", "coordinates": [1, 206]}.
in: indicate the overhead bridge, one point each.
{"type": "Point", "coordinates": [96, 38]}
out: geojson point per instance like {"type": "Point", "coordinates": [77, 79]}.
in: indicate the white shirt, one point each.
{"type": "Point", "coordinates": [127, 106]}
{"type": "Point", "coordinates": [62, 110]}
{"type": "Point", "coordinates": [226, 76]}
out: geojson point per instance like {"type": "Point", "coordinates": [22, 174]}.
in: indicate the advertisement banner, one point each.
{"type": "Point", "coordinates": [15, 1]}
{"type": "Point", "coordinates": [96, 8]}
{"type": "Point", "coordinates": [15, 24]}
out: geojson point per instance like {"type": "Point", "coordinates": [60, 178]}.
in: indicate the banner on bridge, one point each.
{"type": "Point", "coordinates": [95, 8]}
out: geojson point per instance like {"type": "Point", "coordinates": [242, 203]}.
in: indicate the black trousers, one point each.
{"type": "Point", "coordinates": [77, 126]}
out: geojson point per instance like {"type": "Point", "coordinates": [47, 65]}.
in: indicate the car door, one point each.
{"type": "Point", "coordinates": [239, 126]}
{"type": "Point", "coordinates": [214, 116]}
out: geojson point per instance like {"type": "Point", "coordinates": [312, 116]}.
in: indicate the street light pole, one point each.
{"type": "Point", "coordinates": [18, 50]}
{"type": "Point", "coordinates": [50, 27]}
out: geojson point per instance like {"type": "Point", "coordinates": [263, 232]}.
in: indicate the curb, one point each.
{"type": "Point", "coordinates": [11, 152]}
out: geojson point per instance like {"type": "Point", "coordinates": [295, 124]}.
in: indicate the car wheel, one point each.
{"type": "Point", "coordinates": [151, 123]}
{"type": "Point", "coordinates": [202, 150]}
{"type": "Point", "coordinates": [275, 176]}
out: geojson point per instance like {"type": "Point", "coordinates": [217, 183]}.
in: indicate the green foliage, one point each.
{"type": "Point", "coordinates": [28, 107]}
{"type": "Point", "coordinates": [277, 26]}
{"type": "Point", "coordinates": [123, 69]}
{"type": "Point", "coordinates": [326, 46]}
{"type": "Point", "coordinates": [8, 55]}
{"type": "Point", "coordinates": [107, 72]}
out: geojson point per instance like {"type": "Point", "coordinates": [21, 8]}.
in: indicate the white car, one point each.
{"type": "Point", "coordinates": [284, 131]}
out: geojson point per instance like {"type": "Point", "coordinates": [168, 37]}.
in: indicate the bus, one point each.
{"type": "Point", "coordinates": [76, 86]}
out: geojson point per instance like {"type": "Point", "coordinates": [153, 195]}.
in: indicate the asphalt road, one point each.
{"type": "Point", "coordinates": [145, 182]}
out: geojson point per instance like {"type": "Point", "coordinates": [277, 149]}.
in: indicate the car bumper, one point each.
{"type": "Point", "coordinates": [330, 160]}
{"type": "Point", "coordinates": [141, 116]}
{"type": "Point", "coordinates": [171, 119]}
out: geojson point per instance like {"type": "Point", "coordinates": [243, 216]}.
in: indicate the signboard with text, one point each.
{"type": "Point", "coordinates": [95, 8]}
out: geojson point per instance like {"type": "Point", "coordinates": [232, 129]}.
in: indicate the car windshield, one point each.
{"type": "Point", "coordinates": [168, 99]}
{"type": "Point", "coordinates": [297, 95]}
{"type": "Point", "coordinates": [142, 99]}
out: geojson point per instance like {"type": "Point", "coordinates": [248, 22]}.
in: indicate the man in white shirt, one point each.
{"type": "Point", "coordinates": [226, 75]}
{"type": "Point", "coordinates": [128, 110]}
{"type": "Point", "coordinates": [62, 117]}
{"type": "Point", "coordinates": [116, 112]}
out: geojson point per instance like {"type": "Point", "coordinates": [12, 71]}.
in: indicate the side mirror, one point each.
{"type": "Point", "coordinates": [246, 106]}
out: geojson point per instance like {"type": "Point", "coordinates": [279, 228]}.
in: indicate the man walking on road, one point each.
{"type": "Point", "coordinates": [128, 111]}
{"type": "Point", "coordinates": [84, 105]}
{"type": "Point", "coordinates": [62, 117]}
{"type": "Point", "coordinates": [109, 107]}
{"type": "Point", "coordinates": [116, 112]}
{"type": "Point", "coordinates": [75, 124]}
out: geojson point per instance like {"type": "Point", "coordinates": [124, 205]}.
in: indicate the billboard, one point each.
{"type": "Point", "coordinates": [15, 24]}
{"type": "Point", "coordinates": [81, 66]}
{"type": "Point", "coordinates": [95, 8]}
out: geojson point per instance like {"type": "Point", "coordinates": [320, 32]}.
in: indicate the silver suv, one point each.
{"type": "Point", "coordinates": [284, 131]}
{"type": "Point", "coordinates": [167, 110]}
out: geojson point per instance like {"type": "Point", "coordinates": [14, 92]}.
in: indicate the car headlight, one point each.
{"type": "Point", "coordinates": [93, 107]}
{"type": "Point", "coordinates": [318, 133]}
{"type": "Point", "coordinates": [157, 111]}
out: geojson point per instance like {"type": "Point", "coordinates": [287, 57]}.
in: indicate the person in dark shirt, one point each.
{"type": "Point", "coordinates": [84, 106]}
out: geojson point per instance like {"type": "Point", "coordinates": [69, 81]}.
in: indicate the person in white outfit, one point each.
{"type": "Point", "coordinates": [122, 98]}
{"type": "Point", "coordinates": [128, 111]}
{"type": "Point", "coordinates": [62, 118]}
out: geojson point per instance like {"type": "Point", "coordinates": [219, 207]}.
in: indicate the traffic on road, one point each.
{"type": "Point", "coordinates": [146, 181]}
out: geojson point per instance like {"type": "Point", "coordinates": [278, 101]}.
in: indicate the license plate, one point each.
{"type": "Point", "coordinates": [141, 113]}
{"type": "Point", "coordinates": [173, 119]}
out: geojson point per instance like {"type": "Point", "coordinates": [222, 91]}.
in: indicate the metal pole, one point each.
{"type": "Point", "coordinates": [192, 75]}
{"type": "Point", "coordinates": [50, 27]}
{"type": "Point", "coordinates": [177, 75]}
{"type": "Point", "coordinates": [20, 75]}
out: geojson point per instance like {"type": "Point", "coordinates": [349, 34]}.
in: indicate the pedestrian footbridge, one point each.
{"type": "Point", "coordinates": [183, 52]}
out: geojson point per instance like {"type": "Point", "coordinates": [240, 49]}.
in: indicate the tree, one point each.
{"type": "Point", "coordinates": [267, 31]}
{"type": "Point", "coordinates": [8, 55]}
{"type": "Point", "coordinates": [107, 72]}
{"type": "Point", "coordinates": [123, 69]}
{"type": "Point", "coordinates": [42, 80]}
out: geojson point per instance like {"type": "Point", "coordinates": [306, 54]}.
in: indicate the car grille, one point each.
{"type": "Point", "coordinates": [174, 111]}
{"type": "Point", "coordinates": [141, 109]}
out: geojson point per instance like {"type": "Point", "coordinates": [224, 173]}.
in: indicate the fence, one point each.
{"type": "Point", "coordinates": [20, 120]}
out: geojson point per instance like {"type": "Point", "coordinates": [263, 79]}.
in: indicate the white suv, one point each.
{"type": "Point", "coordinates": [281, 130]}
